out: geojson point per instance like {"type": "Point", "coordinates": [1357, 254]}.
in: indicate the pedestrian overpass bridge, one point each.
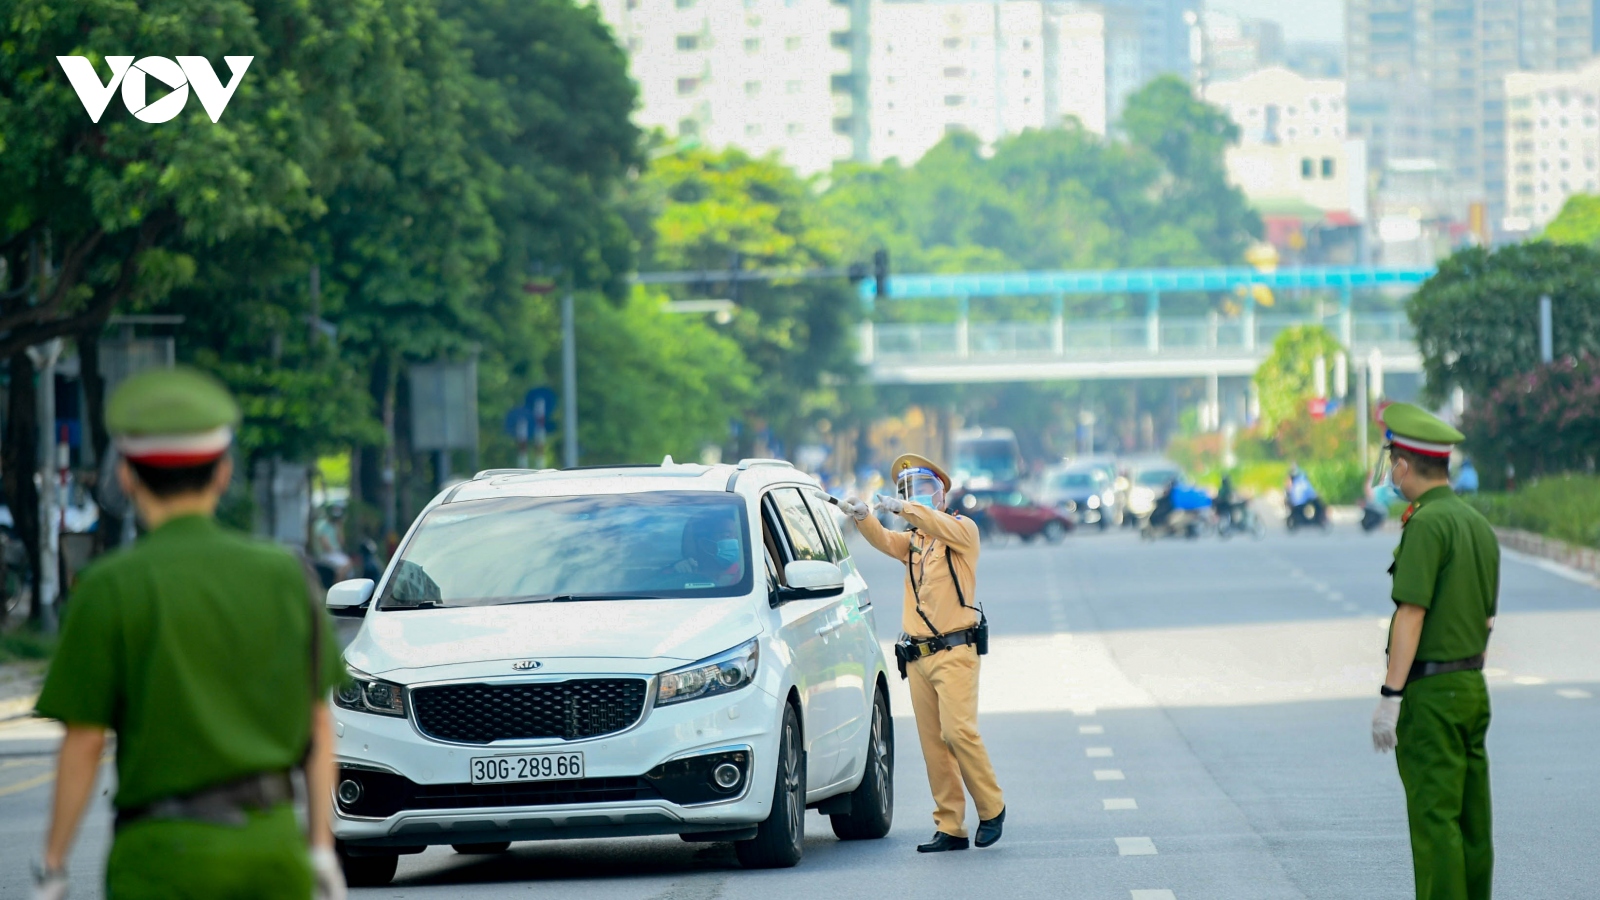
{"type": "Point", "coordinates": [1149, 346]}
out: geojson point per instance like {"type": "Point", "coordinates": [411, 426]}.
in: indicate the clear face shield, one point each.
{"type": "Point", "coordinates": [1381, 469]}
{"type": "Point", "coordinates": [921, 486]}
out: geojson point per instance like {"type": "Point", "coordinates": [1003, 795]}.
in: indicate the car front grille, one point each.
{"type": "Point", "coordinates": [383, 793]}
{"type": "Point", "coordinates": [481, 713]}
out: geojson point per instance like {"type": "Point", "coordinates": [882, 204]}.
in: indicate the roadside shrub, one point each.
{"type": "Point", "coordinates": [1312, 440]}
{"type": "Point", "coordinates": [1544, 422]}
{"type": "Point", "coordinates": [1565, 507]}
{"type": "Point", "coordinates": [1338, 481]}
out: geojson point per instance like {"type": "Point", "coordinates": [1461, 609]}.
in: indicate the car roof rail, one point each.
{"type": "Point", "coordinates": [758, 461]}
{"type": "Point", "coordinates": [491, 473]}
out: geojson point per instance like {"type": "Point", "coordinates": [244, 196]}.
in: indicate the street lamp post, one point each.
{"type": "Point", "coordinates": [569, 381]}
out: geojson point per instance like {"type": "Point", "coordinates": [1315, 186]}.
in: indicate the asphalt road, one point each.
{"type": "Point", "coordinates": [1186, 716]}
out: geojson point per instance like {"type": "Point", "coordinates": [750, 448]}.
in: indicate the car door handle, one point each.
{"type": "Point", "coordinates": [830, 628]}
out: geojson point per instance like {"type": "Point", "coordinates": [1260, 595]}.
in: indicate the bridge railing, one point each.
{"type": "Point", "coordinates": [1245, 336]}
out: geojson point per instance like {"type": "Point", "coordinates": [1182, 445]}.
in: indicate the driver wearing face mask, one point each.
{"type": "Point", "coordinates": [711, 548]}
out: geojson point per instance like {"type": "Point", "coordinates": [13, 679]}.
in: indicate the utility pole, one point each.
{"type": "Point", "coordinates": [569, 381]}
{"type": "Point", "coordinates": [1546, 332]}
{"type": "Point", "coordinates": [1361, 413]}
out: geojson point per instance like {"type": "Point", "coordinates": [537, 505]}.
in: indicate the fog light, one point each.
{"type": "Point", "coordinates": [349, 791]}
{"type": "Point", "coordinates": [726, 776]}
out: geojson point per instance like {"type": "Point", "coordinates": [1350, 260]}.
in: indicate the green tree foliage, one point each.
{"type": "Point", "coordinates": [1286, 379]}
{"type": "Point", "coordinates": [1543, 421]}
{"type": "Point", "coordinates": [705, 210]}
{"type": "Point", "coordinates": [1577, 223]}
{"type": "Point", "coordinates": [1477, 320]}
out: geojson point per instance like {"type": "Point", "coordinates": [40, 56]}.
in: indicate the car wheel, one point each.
{"type": "Point", "coordinates": [1054, 532]}
{"type": "Point", "coordinates": [1104, 521]}
{"type": "Point", "coordinates": [780, 840]}
{"type": "Point", "coordinates": [872, 804]}
{"type": "Point", "coordinates": [1028, 538]}
{"type": "Point", "coordinates": [482, 849]}
{"type": "Point", "coordinates": [368, 871]}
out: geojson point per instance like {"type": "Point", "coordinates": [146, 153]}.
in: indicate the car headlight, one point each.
{"type": "Point", "coordinates": [363, 693]}
{"type": "Point", "coordinates": [727, 671]}
{"type": "Point", "coordinates": [1094, 501]}
{"type": "Point", "coordinates": [1109, 498]}
{"type": "Point", "coordinates": [1142, 495]}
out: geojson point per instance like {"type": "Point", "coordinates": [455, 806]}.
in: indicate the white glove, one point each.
{"type": "Point", "coordinates": [855, 508]}
{"type": "Point", "coordinates": [891, 504]}
{"type": "Point", "coordinates": [1384, 720]}
{"type": "Point", "coordinates": [327, 877]}
{"type": "Point", "coordinates": [49, 885]}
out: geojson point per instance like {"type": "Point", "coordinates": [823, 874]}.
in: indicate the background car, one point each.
{"type": "Point", "coordinates": [1148, 481]}
{"type": "Point", "coordinates": [1012, 512]}
{"type": "Point", "coordinates": [1083, 490]}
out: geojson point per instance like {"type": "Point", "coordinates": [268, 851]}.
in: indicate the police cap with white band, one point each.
{"type": "Point", "coordinates": [1412, 428]}
{"type": "Point", "coordinates": [171, 418]}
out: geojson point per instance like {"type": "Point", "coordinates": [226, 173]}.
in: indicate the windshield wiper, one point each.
{"type": "Point", "coordinates": [573, 598]}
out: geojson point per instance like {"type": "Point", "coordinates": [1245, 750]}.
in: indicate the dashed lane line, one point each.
{"type": "Point", "coordinates": [1135, 846]}
{"type": "Point", "coordinates": [1574, 693]}
{"type": "Point", "coordinates": [1158, 894]}
{"type": "Point", "coordinates": [1091, 729]}
{"type": "Point", "coordinates": [1083, 710]}
{"type": "Point", "coordinates": [1097, 752]}
{"type": "Point", "coordinates": [1108, 775]}
{"type": "Point", "coordinates": [1529, 680]}
{"type": "Point", "coordinates": [27, 784]}
{"type": "Point", "coordinates": [1115, 803]}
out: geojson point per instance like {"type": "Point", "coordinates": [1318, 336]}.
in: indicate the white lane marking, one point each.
{"type": "Point", "coordinates": [1091, 729]}
{"type": "Point", "coordinates": [1161, 894]}
{"type": "Point", "coordinates": [1135, 846]}
{"type": "Point", "coordinates": [1493, 672]}
{"type": "Point", "coordinates": [1112, 803]}
{"type": "Point", "coordinates": [1097, 752]}
{"type": "Point", "coordinates": [1083, 711]}
{"type": "Point", "coordinates": [1335, 595]}
{"type": "Point", "coordinates": [1529, 680]}
{"type": "Point", "coordinates": [1574, 693]}
{"type": "Point", "coordinates": [1321, 586]}
{"type": "Point", "coordinates": [1551, 566]}
{"type": "Point", "coordinates": [1351, 607]}
{"type": "Point", "coordinates": [1383, 624]}
{"type": "Point", "coordinates": [1108, 775]}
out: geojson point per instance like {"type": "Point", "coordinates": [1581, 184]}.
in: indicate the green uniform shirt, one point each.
{"type": "Point", "coordinates": [195, 647]}
{"type": "Point", "coordinates": [1448, 563]}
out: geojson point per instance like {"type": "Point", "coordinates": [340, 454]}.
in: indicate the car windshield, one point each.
{"type": "Point", "coordinates": [1070, 481]}
{"type": "Point", "coordinates": [1156, 478]}
{"type": "Point", "coordinates": [561, 549]}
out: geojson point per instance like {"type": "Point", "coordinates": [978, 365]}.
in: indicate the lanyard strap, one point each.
{"type": "Point", "coordinates": [911, 576]}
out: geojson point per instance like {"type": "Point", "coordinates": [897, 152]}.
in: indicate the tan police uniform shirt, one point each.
{"type": "Point", "coordinates": [936, 534]}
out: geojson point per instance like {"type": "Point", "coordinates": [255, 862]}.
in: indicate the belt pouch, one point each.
{"type": "Point", "coordinates": [981, 634]}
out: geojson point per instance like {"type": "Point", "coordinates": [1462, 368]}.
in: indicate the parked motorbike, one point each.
{"type": "Point", "coordinates": [1240, 518]}
{"type": "Point", "coordinates": [1311, 514]}
{"type": "Point", "coordinates": [1185, 522]}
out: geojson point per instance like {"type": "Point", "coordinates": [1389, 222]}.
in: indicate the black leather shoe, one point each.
{"type": "Point", "coordinates": [942, 842]}
{"type": "Point", "coordinates": [989, 829]}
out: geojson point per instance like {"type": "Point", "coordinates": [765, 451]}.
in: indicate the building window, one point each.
{"type": "Point", "coordinates": [751, 129]}
{"type": "Point", "coordinates": [955, 72]}
{"type": "Point", "coordinates": [952, 43]}
{"type": "Point", "coordinates": [1327, 167]}
{"type": "Point", "coordinates": [1027, 44]}
{"type": "Point", "coordinates": [687, 86]}
{"type": "Point", "coordinates": [794, 128]}
{"type": "Point", "coordinates": [952, 99]}
{"type": "Point", "coordinates": [840, 40]}
{"type": "Point", "coordinates": [634, 44]}
{"type": "Point", "coordinates": [1027, 73]}
{"type": "Point", "coordinates": [1307, 166]}
{"type": "Point", "coordinates": [688, 128]}
{"type": "Point", "coordinates": [791, 43]}
{"type": "Point", "coordinates": [752, 88]}
{"type": "Point", "coordinates": [955, 128]}
{"type": "Point", "coordinates": [752, 45]}
{"type": "Point", "coordinates": [688, 41]}
{"type": "Point", "coordinates": [791, 87]}
{"type": "Point", "coordinates": [684, 4]}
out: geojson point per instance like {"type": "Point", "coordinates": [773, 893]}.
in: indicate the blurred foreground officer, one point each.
{"type": "Point", "coordinates": [943, 635]}
{"type": "Point", "coordinates": [1435, 708]}
{"type": "Point", "coordinates": [196, 647]}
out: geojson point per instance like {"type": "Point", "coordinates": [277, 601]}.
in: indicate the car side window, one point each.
{"type": "Point", "coordinates": [805, 541]}
{"type": "Point", "coordinates": [822, 514]}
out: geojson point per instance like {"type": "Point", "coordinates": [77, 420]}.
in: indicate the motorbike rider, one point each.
{"type": "Point", "coordinates": [1227, 500]}
{"type": "Point", "coordinates": [1302, 497]}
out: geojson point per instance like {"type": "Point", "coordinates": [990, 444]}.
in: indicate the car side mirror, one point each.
{"type": "Point", "coordinates": [349, 598]}
{"type": "Point", "coordinates": [811, 579]}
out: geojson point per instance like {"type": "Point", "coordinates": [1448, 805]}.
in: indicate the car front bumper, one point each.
{"type": "Point", "coordinates": [391, 747]}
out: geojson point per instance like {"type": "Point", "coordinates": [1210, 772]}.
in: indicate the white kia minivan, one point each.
{"type": "Point", "coordinates": [613, 652]}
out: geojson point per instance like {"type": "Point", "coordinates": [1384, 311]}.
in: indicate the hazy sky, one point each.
{"type": "Point", "coordinates": [1303, 20]}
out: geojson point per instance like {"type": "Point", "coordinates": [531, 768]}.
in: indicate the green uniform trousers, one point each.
{"type": "Point", "coordinates": [1445, 770]}
{"type": "Point", "coordinates": [175, 859]}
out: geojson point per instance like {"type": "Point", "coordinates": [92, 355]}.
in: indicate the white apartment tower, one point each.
{"type": "Point", "coordinates": [762, 75]}
{"type": "Point", "coordinates": [1552, 142]}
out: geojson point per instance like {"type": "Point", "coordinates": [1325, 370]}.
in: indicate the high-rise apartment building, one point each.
{"type": "Point", "coordinates": [1553, 150]}
{"type": "Point", "coordinates": [783, 76]}
{"type": "Point", "coordinates": [1457, 54]}
{"type": "Point", "coordinates": [994, 69]}
{"type": "Point", "coordinates": [1235, 47]}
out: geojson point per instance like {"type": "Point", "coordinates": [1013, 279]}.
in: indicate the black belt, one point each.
{"type": "Point", "coordinates": [917, 648]}
{"type": "Point", "coordinates": [1421, 669]}
{"type": "Point", "coordinates": [223, 804]}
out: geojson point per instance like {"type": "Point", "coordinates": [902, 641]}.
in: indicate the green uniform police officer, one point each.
{"type": "Point", "coordinates": [1434, 710]}
{"type": "Point", "coordinates": [195, 647]}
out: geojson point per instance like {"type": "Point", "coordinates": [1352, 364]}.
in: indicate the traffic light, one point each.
{"type": "Point", "coordinates": [880, 272]}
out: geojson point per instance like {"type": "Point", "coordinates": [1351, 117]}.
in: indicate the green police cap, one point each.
{"type": "Point", "coordinates": [1410, 427]}
{"type": "Point", "coordinates": [171, 417]}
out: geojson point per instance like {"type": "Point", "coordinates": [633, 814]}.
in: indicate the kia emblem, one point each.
{"type": "Point", "coordinates": [525, 665]}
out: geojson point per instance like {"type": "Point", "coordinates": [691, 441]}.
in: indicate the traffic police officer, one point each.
{"type": "Point", "coordinates": [939, 646]}
{"type": "Point", "coordinates": [196, 646]}
{"type": "Point", "coordinates": [1434, 710]}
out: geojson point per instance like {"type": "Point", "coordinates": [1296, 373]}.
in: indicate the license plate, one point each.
{"type": "Point", "coordinates": [528, 767]}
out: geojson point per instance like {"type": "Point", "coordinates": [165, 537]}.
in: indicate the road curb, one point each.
{"type": "Point", "coordinates": [1583, 560]}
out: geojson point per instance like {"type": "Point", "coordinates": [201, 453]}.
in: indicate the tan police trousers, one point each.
{"type": "Point", "coordinates": [944, 697]}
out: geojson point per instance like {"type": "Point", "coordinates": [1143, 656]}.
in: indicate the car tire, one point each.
{"type": "Point", "coordinates": [1054, 532]}
{"type": "Point", "coordinates": [872, 803]}
{"type": "Point", "coordinates": [368, 871]}
{"type": "Point", "coordinates": [486, 849]}
{"type": "Point", "coordinates": [1104, 521]}
{"type": "Point", "coordinates": [780, 840]}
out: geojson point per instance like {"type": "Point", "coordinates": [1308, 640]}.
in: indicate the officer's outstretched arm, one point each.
{"type": "Point", "coordinates": [896, 544]}
{"type": "Point", "coordinates": [77, 763]}
{"type": "Point", "coordinates": [960, 535]}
